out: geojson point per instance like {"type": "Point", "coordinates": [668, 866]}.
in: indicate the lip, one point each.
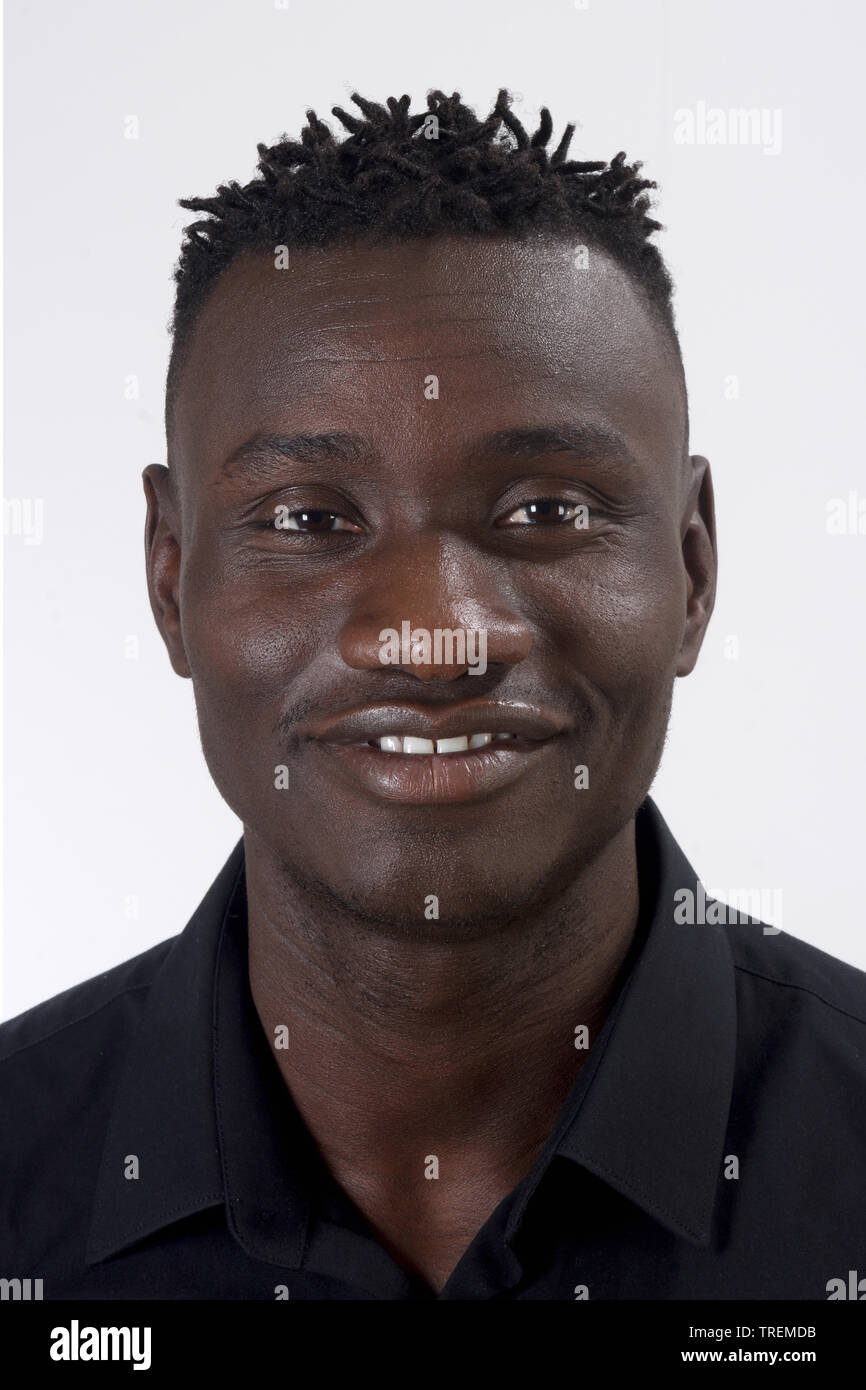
{"type": "Point", "coordinates": [529, 722]}
{"type": "Point", "coordinates": [422, 778]}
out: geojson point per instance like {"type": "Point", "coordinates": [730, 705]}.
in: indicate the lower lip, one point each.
{"type": "Point", "coordinates": [425, 778]}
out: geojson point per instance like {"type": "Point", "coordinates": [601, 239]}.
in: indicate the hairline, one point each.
{"type": "Point", "coordinates": [182, 344]}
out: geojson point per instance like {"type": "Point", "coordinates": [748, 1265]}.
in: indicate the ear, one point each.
{"type": "Point", "coordinates": [162, 558]}
{"type": "Point", "coordinates": [698, 536]}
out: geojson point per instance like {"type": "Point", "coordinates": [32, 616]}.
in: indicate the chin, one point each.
{"type": "Point", "coordinates": [435, 904]}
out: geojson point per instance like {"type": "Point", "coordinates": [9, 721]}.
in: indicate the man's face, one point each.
{"type": "Point", "coordinates": [449, 362]}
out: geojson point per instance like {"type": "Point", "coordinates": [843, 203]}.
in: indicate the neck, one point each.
{"type": "Point", "coordinates": [394, 1040]}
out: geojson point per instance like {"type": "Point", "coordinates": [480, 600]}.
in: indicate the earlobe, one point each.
{"type": "Point", "coordinates": [162, 551]}
{"type": "Point", "coordinates": [698, 532]}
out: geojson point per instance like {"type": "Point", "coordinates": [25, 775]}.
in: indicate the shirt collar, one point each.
{"type": "Point", "coordinates": [647, 1115]}
{"type": "Point", "coordinates": [652, 1111]}
{"type": "Point", "coordinates": [164, 1109]}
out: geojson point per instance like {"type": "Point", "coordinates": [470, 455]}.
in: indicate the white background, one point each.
{"type": "Point", "coordinates": [110, 809]}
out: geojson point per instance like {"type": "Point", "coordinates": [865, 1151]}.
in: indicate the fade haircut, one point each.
{"type": "Point", "coordinates": [398, 176]}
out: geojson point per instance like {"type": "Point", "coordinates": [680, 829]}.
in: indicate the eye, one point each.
{"type": "Point", "coordinates": [310, 520]}
{"type": "Point", "coordinates": [547, 510]}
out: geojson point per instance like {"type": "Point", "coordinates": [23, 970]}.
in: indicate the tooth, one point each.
{"type": "Point", "coordinates": [452, 745]}
{"type": "Point", "coordinates": [391, 743]}
{"type": "Point", "coordinates": [501, 736]}
{"type": "Point", "coordinates": [418, 745]}
{"type": "Point", "coordinates": [480, 740]}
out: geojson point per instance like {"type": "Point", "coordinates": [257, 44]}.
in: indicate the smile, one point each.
{"type": "Point", "coordinates": [410, 743]}
{"type": "Point", "coordinates": [416, 754]}
{"type": "Point", "coordinates": [431, 774]}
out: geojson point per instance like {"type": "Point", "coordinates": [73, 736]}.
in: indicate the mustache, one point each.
{"type": "Point", "coordinates": [437, 696]}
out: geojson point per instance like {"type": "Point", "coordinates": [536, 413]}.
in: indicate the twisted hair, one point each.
{"type": "Point", "coordinates": [398, 176]}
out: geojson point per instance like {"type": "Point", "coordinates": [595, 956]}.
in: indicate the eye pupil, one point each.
{"type": "Point", "coordinates": [546, 509]}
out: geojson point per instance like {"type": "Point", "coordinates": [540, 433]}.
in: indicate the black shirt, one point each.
{"type": "Point", "coordinates": [713, 1145]}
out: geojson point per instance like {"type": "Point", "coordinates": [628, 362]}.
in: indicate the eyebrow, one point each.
{"type": "Point", "coordinates": [259, 454]}
{"type": "Point", "coordinates": [332, 446]}
{"type": "Point", "coordinates": [584, 440]}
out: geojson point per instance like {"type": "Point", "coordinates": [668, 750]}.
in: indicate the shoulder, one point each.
{"type": "Point", "coordinates": [801, 1026]}
{"type": "Point", "coordinates": [82, 1016]}
{"type": "Point", "coordinates": [798, 974]}
{"type": "Point", "coordinates": [60, 1065]}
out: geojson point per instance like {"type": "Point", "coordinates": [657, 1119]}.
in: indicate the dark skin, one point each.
{"type": "Point", "coordinates": [410, 1036]}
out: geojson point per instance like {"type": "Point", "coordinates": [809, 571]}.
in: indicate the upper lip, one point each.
{"type": "Point", "coordinates": [474, 716]}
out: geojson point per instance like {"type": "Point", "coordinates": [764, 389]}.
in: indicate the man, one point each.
{"type": "Point", "coordinates": [432, 550]}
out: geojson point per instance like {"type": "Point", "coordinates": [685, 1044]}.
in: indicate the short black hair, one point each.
{"type": "Point", "coordinates": [398, 176]}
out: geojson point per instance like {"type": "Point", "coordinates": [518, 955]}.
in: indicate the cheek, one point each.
{"type": "Point", "coordinates": [244, 633]}
{"type": "Point", "coordinates": [244, 649]}
{"type": "Point", "coordinates": [249, 651]}
{"type": "Point", "coordinates": [621, 614]}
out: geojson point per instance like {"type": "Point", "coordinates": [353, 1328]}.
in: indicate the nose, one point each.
{"type": "Point", "coordinates": [436, 609]}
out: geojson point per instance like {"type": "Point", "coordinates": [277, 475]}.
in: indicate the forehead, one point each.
{"type": "Point", "coordinates": [349, 337]}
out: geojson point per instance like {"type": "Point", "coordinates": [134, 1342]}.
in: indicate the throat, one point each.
{"type": "Point", "coordinates": [427, 1225]}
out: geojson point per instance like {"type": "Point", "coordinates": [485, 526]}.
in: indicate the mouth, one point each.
{"type": "Point", "coordinates": [413, 746]}
{"type": "Point", "coordinates": [414, 756]}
